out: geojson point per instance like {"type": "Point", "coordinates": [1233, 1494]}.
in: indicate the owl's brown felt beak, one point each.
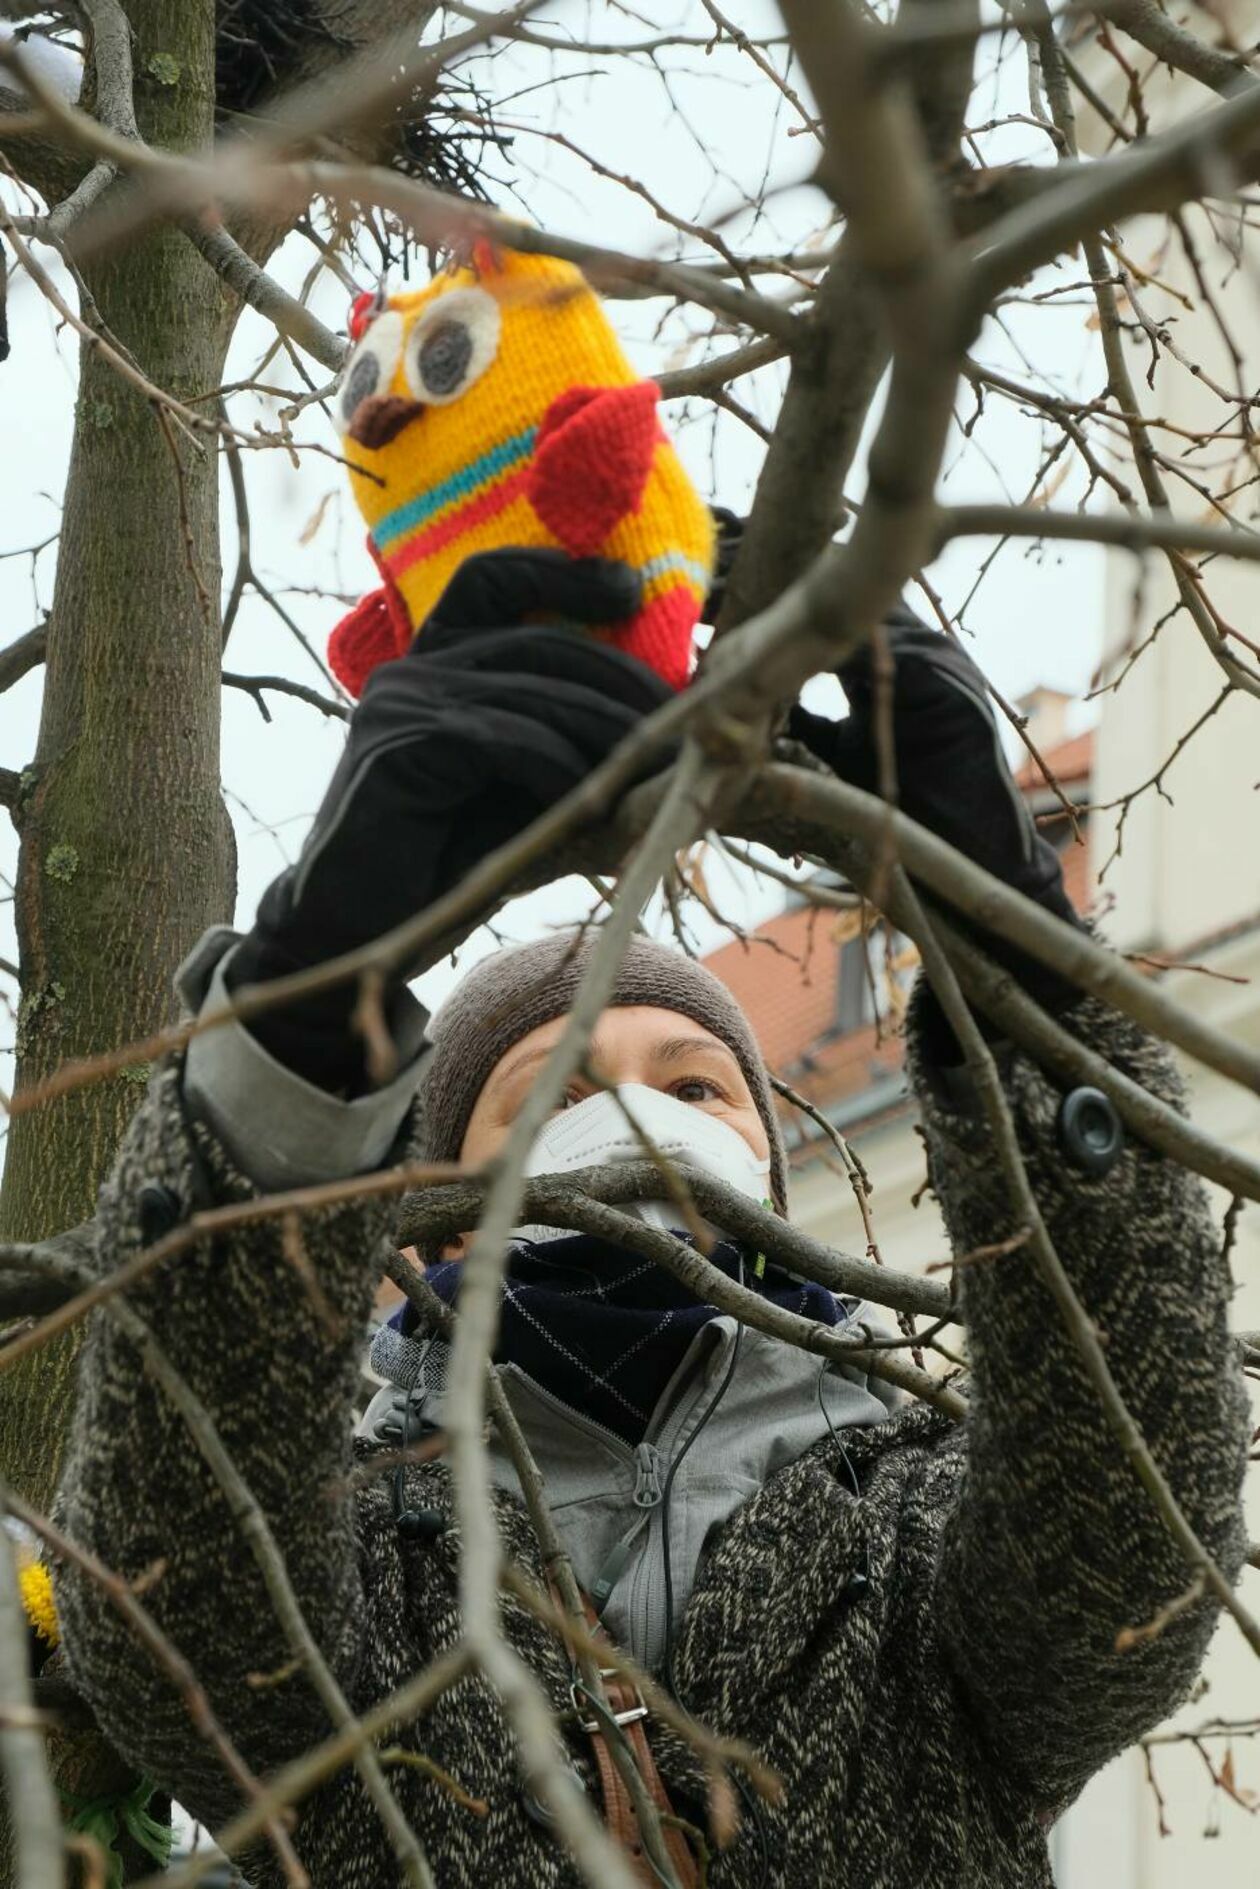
{"type": "Point", "coordinates": [381, 418]}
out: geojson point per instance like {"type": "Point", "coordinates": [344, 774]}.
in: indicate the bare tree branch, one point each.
{"type": "Point", "coordinates": [39, 157]}
{"type": "Point", "coordinates": [298, 1779]}
{"type": "Point", "coordinates": [1173, 45]}
{"type": "Point", "coordinates": [710, 1286]}
{"type": "Point", "coordinates": [123, 365]}
{"type": "Point", "coordinates": [837, 367]}
{"type": "Point", "coordinates": [56, 1275]}
{"type": "Point", "coordinates": [709, 376]}
{"type": "Point", "coordinates": [428, 1217]}
{"type": "Point", "coordinates": [254, 1526]}
{"type": "Point", "coordinates": [31, 1799]}
{"type": "Point", "coordinates": [241, 172]}
{"type": "Point", "coordinates": [264, 294]}
{"type": "Point", "coordinates": [110, 46]}
{"type": "Point", "coordinates": [22, 655]}
{"type": "Point", "coordinates": [556, 1564]}
{"type": "Point", "coordinates": [1153, 1121]}
{"type": "Point", "coordinates": [994, 906]}
{"type": "Point", "coordinates": [1213, 152]}
{"type": "Point", "coordinates": [281, 685]}
{"type": "Point", "coordinates": [1239, 673]}
{"type": "Point", "coordinates": [122, 1596]}
{"type": "Point", "coordinates": [1164, 531]}
{"type": "Point", "coordinates": [682, 812]}
{"type": "Point", "coordinates": [1076, 1319]}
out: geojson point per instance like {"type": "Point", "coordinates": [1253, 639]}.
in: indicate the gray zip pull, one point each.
{"type": "Point", "coordinates": [615, 1566]}
{"type": "Point", "coordinates": [648, 1487]}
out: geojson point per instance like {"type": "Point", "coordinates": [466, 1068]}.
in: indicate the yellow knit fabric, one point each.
{"type": "Point", "coordinates": [37, 1600]}
{"type": "Point", "coordinates": [452, 483]}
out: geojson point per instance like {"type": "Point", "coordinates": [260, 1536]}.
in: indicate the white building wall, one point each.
{"type": "Point", "coordinates": [1187, 870]}
{"type": "Point", "coordinates": [1189, 865]}
{"type": "Point", "coordinates": [1190, 868]}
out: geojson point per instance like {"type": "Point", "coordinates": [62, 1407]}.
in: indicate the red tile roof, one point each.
{"type": "Point", "coordinates": [787, 976]}
{"type": "Point", "coordinates": [1071, 761]}
{"type": "Point", "coordinates": [1078, 874]}
{"type": "Point", "coordinates": [787, 979]}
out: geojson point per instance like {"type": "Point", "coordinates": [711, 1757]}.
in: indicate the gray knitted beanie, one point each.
{"type": "Point", "coordinates": [506, 996]}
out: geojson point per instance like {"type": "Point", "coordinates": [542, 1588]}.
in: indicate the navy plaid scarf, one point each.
{"type": "Point", "coordinates": [603, 1330]}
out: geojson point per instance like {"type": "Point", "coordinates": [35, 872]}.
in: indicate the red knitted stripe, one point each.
{"type": "Point", "coordinates": [486, 505]}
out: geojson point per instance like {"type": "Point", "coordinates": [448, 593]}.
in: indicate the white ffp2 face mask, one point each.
{"type": "Point", "coordinates": [598, 1131]}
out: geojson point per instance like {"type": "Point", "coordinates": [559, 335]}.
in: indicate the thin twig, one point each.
{"type": "Point", "coordinates": [1076, 1319]}
{"type": "Point", "coordinates": [296, 1780]}
{"type": "Point", "coordinates": [995, 907]}
{"type": "Point", "coordinates": [680, 815]}
{"type": "Point", "coordinates": [122, 1596]}
{"type": "Point", "coordinates": [249, 1517]}
{"type": "Point", "coordinates": [282, 685]}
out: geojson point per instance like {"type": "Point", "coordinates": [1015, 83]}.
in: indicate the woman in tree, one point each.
{"type": "Point", "coordinates": [914, 1621]}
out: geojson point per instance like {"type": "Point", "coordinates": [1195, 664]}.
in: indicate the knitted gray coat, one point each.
{"type": "Point", "coordinates": [927, 1728]}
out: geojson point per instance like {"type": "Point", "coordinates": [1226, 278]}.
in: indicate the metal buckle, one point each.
{"type": "Point", "coordinates": [630, 1716]}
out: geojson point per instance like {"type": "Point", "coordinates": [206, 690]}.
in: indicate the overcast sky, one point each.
{"type": "Point", "coordinates": [722, 136]}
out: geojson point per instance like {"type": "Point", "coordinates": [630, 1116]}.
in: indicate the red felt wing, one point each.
{"type": "Point", "coordinates": [592, 461]}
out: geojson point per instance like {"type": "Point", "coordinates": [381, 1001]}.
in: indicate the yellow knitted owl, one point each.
{"type": "Point", "coordinates": [497, 407]}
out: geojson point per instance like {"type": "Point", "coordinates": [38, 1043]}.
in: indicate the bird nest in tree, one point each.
{"type": "Point", "coordinates": [262, 46]}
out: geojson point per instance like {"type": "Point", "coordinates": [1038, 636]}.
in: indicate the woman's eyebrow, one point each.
{"type": "Point", "coordinates": [530, 1056]}
{"type": "Point", "coordinates": [674, 1049]}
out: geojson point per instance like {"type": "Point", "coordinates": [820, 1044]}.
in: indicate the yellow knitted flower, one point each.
{"type": "Point", "coordinates": [37, 1599]}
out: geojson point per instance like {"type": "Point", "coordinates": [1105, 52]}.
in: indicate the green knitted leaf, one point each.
{"type": "Point", "coordinates": [104, 1818]}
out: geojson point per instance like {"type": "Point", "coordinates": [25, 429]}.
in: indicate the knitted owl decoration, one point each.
{"type": "Point", "coordinates": [496, 407]}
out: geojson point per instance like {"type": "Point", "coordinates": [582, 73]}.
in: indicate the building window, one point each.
{"type": "Point", "coordinates": [876, 972]}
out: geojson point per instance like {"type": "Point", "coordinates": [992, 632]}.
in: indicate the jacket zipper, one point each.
{"type": "Point", "coordinates": [649, 1485]}
{"type": "Point", "coordinates": [617, 1444]}
{"type": "Point", "coordinates": [645, 1598]}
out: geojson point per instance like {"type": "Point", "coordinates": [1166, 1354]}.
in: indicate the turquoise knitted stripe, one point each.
{"type": "Point", "coordinates": [676, 561]}
{"type": "Point", "coordinates": [462, 485]}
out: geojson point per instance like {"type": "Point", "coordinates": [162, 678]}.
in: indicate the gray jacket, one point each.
{"type": "Point", "coordinates": [637, 1522]}
{"type": "Point", "coordinates": [926, 1721]}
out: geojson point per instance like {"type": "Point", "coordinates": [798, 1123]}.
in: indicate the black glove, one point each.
{"type": "Point", "coordinates": [455, 747]}
{"type": "Point", "coordinates": [728, 535]}
{"type": "Point", "coordinates": [952, 776]}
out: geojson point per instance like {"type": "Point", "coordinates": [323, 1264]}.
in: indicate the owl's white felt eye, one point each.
{"type": "Point", "coordinates": [370, 368]}
{"type": "Point", "coordinates": [452, 345]}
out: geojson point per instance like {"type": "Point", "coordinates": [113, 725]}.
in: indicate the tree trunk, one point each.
{"type": "Point", "coordinates": [126, 851]}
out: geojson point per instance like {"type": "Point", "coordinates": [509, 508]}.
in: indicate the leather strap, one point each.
{"type": "Point", "coordinates": [625, 1703]}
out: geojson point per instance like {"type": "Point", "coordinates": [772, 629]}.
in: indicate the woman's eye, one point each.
{"type": "Point", "coordinates": [695, 1089]}
{"type": "Point", "coordinates": [452, 345]}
